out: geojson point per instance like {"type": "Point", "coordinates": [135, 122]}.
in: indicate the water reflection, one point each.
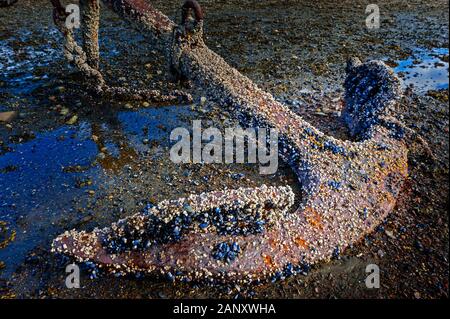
{"type": "Point", "coordinates": [425, 70]}
{"type": "Point", "coordinates": [42, 179]}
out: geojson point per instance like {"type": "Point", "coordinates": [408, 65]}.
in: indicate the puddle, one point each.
{"type": "Point", "coordinates": [44, 180]}
{"type": "Point", "coordinates": [425, 70]}
{"type": "Point", "coordinates": [24, 61]}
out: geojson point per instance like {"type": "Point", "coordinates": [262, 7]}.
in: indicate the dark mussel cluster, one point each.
{"type": "Point", "coordinates": [154, 231]}
{"type": "Point", "coordinates": [226, 220]}
{"type": "Point", "coordinates": [226, 251]}
{"type": "Point", "coordinates": [335, 184]}
{"type": "Point", "coordinates": [237, 220]}
{"type": "Point", "coordinates": [289, 270]}
{"type": "Point", "coordinates": [397, 131]}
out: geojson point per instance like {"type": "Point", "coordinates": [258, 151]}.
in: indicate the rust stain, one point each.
{"type": "Point", "coordinates": [301, 242]}
{"type": "Point", "coordinates": [313, 218]}
{"type": "Point", "coordinates": [268, 261]}
{"type": "Point", "coordinates": [273, 242]}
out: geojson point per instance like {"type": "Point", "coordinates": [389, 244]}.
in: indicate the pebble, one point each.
{"type": "Point", "coordinates": [72, 120]}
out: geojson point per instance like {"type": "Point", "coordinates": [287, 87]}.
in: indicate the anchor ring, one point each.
{"type": "Point", "coordinates": [188, 7]}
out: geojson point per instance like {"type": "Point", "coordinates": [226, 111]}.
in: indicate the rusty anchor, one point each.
{"type": "Point", "coordinates": [349, 186]}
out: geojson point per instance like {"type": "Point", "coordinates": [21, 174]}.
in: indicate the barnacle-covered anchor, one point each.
{"type": "Point", "coordinates": [348, 187]}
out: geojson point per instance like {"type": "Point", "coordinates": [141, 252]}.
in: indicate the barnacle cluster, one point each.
{"type": "Point", "coordinates": [249, 213]}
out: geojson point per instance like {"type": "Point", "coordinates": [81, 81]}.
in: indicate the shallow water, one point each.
{"type": "Point", "coordinates": [40, 178]}
{"type": "Point", "coordinates": [24, 61]}
{"type": "Point", "coordinates": [425, 70]}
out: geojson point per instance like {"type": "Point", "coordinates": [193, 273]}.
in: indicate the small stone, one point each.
{"type": "Point", "coordinates": [72, 120]}
{"type": "Point", "coordinates": [202, 100]}
{"type": "Point", "coordinates": [389, 234]}
{"type": "Point", "coordinates": [8, 116]}
{"type": "Point", "coordinates": [145, 104]}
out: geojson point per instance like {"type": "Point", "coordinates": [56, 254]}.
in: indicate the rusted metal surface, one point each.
{"type": "Point", "coordinates": [141, 15]}
{"type": "Point", "coordinates": [349, 187]}
{"type": "Point", "coordinates": [186, 9]}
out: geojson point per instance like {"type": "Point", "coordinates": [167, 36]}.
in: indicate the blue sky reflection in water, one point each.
{"type": "Point", "coordinates": [425, 70]}
{"type": "Point", "coordinates": [39, 178]}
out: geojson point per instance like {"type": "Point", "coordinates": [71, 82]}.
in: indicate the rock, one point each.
{"type": "Point", "coordinates": [64, 111]}
{"type": "Point", "coordinates": [202, 100]}
{"type": "Point", "coordinates": [72, 120]}
{"type": "Point", "coordinates": [101, 156]}
{"type": "Point", "coordinates": [8, 116]}
{"type": "Point", "coordinates": [390, 234]}
{"type": "Point", "coordinates": [145, 104]}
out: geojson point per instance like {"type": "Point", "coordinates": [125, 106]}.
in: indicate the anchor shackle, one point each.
{"type": "Point", "coordinates": [188, 7]}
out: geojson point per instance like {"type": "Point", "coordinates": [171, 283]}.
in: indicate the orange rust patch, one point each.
{"type": "Point", "coordinates": [268, 261]}
{"type": "Point", "coordinates": [273, 243]}
{"type": "Point", "coordinates": [313, 218]}
{"type": "Point", "coordinates": [301, 242]}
